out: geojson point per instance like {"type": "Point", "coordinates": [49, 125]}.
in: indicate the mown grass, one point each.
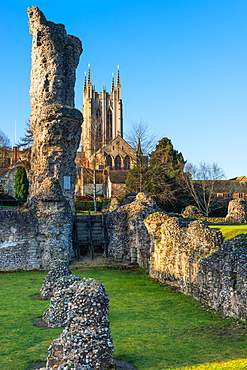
{"type": "Point", "coordinates": [230, 231]}
{"type": "Point", "coordinates": [153, 326]}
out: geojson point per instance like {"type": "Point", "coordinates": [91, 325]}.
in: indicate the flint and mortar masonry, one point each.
{"type": "Point", "coordinates": [19, 248]}
{"type": "Point", "coordinates": [128, 236]}
{"type": "Point", "coordinates": [55, 125]}
{"type": "Point", "coordinates": [54, 121]}
{"type": "Point", "coordinates": [197, 261]}
{"type": "Point", "coordinates": [82, 308]}
{"type": "Point", "coordinates": [53, 279]}
{"type": "Point", "coordinates": [237, 211]}
{"type": "Point", "coordinates": [188, 255]}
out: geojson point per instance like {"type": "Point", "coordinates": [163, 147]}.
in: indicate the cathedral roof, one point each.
{"type": "Point", "coordinates": [115, 142]}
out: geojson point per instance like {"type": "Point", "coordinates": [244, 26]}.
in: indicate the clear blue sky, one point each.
{"type": "Point", "coordinates": [183, 68]}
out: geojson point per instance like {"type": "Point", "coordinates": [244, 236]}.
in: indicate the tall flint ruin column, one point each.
{"type": "Point", "coordinates": [55, 123]}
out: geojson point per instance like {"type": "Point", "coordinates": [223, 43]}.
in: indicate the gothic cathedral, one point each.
{"type": "Point", "coordinates": [102, 145]}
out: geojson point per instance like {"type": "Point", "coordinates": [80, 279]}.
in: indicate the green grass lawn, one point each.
{"type": "Point", "coordinates": [153, 326]}
{"type": "Point", "coordinates": [230, 231]}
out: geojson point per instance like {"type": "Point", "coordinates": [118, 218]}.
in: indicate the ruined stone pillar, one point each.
{"type": "Point", "coordinates": [55, 223]}
{"type": "Point", "coordinates": [54, 122]}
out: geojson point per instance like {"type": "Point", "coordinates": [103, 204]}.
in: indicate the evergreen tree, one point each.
{"type": "Point", "coordinates": [26, 141]}
{"type": "Point", "coordinates": [166, 159]}
{"type": "Point", "coordinates": [166, 165]}
{"type": "Point", "coordinates": [137, 179]}
{"type": "Point", "coordinates": [21, 183]}
{"type": "Point", "coordinates": [162, 178]}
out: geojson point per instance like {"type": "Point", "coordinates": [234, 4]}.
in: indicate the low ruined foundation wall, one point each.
{"type": "Point", "coordinates": [183, 253]}
{"type": "Point", "coordinates": [39, 236]}
{"type": "Point", "coordinates": [197, 261]}
{"type": "Point", "coordinates": [18, 240]}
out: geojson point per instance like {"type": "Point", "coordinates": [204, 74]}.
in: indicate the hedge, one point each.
{"type": "Point", "coordinates": [88, 205]}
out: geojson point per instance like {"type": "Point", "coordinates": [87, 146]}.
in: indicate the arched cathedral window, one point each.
{"type": "Point", "coordinates": [117, 163]}
{"type": "Point", "coordinates": [97, 129]}
{"type": "Point", "coordinates": [108, 161]}
{"type": "Point", "coordinates": [98, 113]}
{"type": "Point", "coordinates": [126, 162]}
{"type": "Point", "coordinates": [108, 125]}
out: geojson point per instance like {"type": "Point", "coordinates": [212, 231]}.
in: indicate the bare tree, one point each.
{"type": "Point", "coordinates": [90, 174]}
{"type": "Point", "coordinates": [96, 142]}
{"type": "Point", "coordinates": [4, 150]}
{"type": "Point", "coordinates": [139, 134]}
{"type": "Point", "coordinates": [139, 138]}
{"type": "Point", "coordinates": [201, 181]}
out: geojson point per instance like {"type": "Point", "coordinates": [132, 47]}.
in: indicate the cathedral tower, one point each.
{"type": "Point", "coordinates": [102, 115]}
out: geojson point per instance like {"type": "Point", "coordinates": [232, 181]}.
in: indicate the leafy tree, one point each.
{"type": "Point", "coordinates": [201, 181]}
{"type": "Point", "coordinates": [21, 183]}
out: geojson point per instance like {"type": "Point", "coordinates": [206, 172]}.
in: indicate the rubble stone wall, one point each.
{"type": "Point", "coordinates": [37, 237]}
{"type": "Point", "coordinates": [197, 261]}
{"type": "Point", "coordinates": [128, 236]}
{"type": "Point", "coordinates": [190, 256]}
{"type": "Point", "coordinates": [56, 128]}
{"type": "Point", "coordinates": [19, 248]}
{"type": "Point", "coordinates": [55, 123]}
{"type": "Point", "coordinates": [81, 307]}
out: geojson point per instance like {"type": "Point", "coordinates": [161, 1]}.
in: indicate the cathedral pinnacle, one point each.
{"type": "Point", "coordinates": [112, 82]}
{"type": "Point", "coordinates": [118, 76]}
{"type": "Point", "coordinates": [89, 75]}
{"type": "Point", "coordinates": [139, 148]}
{"type": "Point", "coordinates": [85, 80]}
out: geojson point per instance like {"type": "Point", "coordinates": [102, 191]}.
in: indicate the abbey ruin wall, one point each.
{"type": "Point", "coordinates": [196, 260]}
{"type": "Point", "coordinates": [55, 123]}
{"type": "Point", "coordinates": [41, 236]}
{"type": "Point", "coordinates": [127, 234]}
{"type": "Point", "coordinates": [187, 255]}
{"type": "Point", "coordinates": [18, 240]}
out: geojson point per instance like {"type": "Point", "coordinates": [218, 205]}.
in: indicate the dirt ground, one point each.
{"type": "Point", "coordinates": [97, 261]}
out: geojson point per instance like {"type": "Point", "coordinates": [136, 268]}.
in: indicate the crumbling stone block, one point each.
{"type": "Point", "coordinates": [128, 236]}
{"type": "Point", "coordinates": [192, 212]}
{"type": "Point", "coordinates": [237, 211]}
{"type": "Point", "coordinates": [86, 339]}
{"type": "Point", "coordinates": [56, 128]}
{"type": "Point", "coordinates": [59, 277]}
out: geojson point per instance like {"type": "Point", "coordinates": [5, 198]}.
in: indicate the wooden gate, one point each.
{"type": "Point", "coordinates": [90, 235]}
